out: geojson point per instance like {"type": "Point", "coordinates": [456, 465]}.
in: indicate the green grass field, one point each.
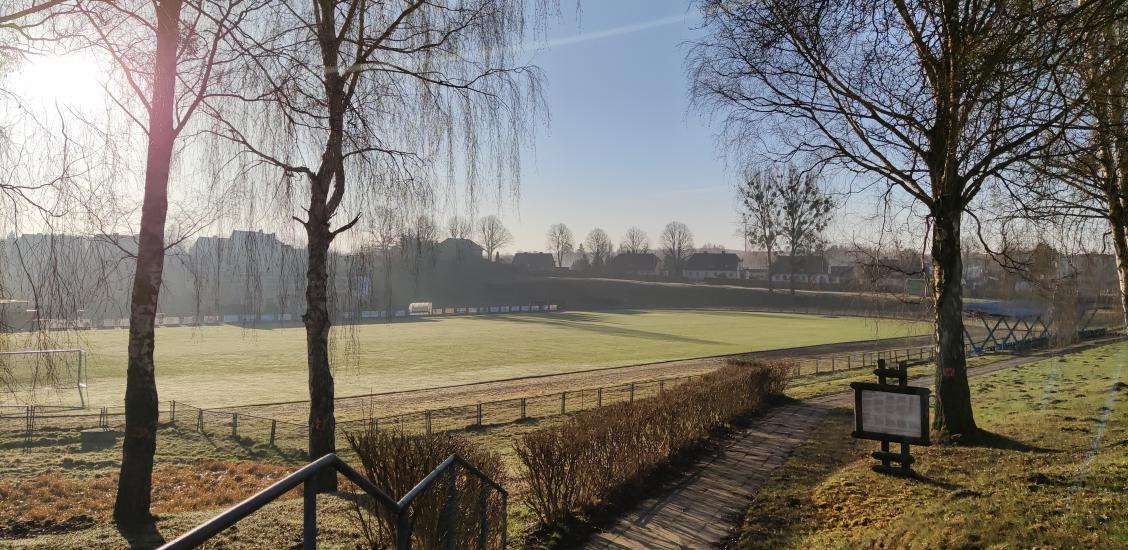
{"type": "Point", "coordinates": [222, 366]}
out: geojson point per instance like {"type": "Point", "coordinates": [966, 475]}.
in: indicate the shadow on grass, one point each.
{"type": "Point", "coordinates": [591, 323]}
{"type": "Point", "coordinates": [991, 440]}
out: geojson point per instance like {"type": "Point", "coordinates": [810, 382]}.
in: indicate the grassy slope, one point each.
{"type": "Point", "coordinates": [217, 366]}
{"type": "Point", "coordinates": [1054, 474]}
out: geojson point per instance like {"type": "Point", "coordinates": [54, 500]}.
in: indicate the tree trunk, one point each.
{"type": "Point", "coordinates": [954, 418]}
{"type": "Point", "coordinates": [131, 508]}
{"type": "Point", "coordinates": [322, 423]}
{"type": "Point", "coordinates": [791, 273]}
{"type": "Point", "coordinates": [771, 289]}
{"type": "Point", "coordinates": [1120, 244]}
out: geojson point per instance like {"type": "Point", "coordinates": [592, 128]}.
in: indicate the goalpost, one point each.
{"type": "Point", "coordinates": [27, 375]}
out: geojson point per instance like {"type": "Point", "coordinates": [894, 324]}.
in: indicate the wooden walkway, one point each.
{"type": "Point", "coordinates": [703, 507]}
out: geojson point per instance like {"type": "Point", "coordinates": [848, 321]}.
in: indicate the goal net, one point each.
{"type": "Point", "coordinates": [43, 377]}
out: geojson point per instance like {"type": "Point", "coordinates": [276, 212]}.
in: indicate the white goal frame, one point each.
{"type": "Point", "coordinates": [79, 379]}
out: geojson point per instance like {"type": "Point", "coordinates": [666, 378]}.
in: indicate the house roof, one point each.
{"type": "Point", "coordinates": [634, 261]}
{"type": "Point", "coordinates": [804, 265]}
{"type": "Point", "coordinates": [713, 261]}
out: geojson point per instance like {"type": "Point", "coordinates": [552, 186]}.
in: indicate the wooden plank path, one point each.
{"type": "Point", "coordinates": [701, 509]}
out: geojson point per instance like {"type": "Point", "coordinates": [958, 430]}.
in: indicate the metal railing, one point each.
{"type": "Point", "coordinates": [305, 475]}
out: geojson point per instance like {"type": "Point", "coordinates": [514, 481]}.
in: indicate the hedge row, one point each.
{"type": "Point", "coordinates": [589, 458]}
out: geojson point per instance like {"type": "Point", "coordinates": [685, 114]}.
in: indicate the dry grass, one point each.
{"type": "Point", "coordinates": [1050, 473]}
{"type": "Point", "coordinates": [58, 495]}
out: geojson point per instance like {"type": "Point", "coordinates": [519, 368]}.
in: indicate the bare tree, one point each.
{"type": "Point", "coordinates": [460, 228]}
{"type": "Point", "coordinates": [635, 241]}
{"type": "Point", "coordinates": [1084, 178]}
{"type": "Point", "coordinates": [352, 102]}
{"type": "Point", "coordinates": [599, 246]}
{"type": "Point", "coordinates": [166, 54]}
{"type": "Point", "coordinates": [934, 100]}
{"type": "Point", "coordinates": [560, 242]}
{"type": "Point", "coordinates": [760, 212]}
{"type": "Point", "coordinates": [677, 245]}
{"type": "Point", "coordinates": [805, 211]}
{"type": "Point", "coordinates": [494, 235]}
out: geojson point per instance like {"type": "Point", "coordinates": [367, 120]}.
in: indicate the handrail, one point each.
{"type": "Point", "coordinates": [233, 515]}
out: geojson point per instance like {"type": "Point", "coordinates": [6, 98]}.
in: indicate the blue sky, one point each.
{"type": "Point", "coordinates": [623, 148]}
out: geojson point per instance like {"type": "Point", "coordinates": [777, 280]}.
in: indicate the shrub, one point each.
{"type": "Point", "coordinates": [596, 454]}
{"type": "Point", "coordinates": [395, 462]}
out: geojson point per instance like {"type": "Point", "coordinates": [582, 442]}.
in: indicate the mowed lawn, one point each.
{"type": "Point", "coordinates": [227, 365]}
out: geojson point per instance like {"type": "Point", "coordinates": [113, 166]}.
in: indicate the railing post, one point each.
{"type": "Point", "coordinates": [479, 423]}
{"type": "Point", "coordinates": [563, 397]}
{"type": "Point", "coordinates": [273, 430]}
{"type": "Point", "coordinates": [522, 408]}
{"type": "Point", "coordinates": [598, 397]}
{"type": "Point", "coordinates": [403, 536]}
{"type": "Point", "coordinates": [504, 514]}
{"type": "Point", "coordinates": [172, 414]}
{"type": "Point", "coordinates": [632, 392]}
{"type": "Point", "coordinates": [309, 516]}
{"type": "Point", "coordinates": [484, 518]}
{"type": "Point", "coordinates": [451, 502]}
{"type": "Point", "coordinates": [234, 424]}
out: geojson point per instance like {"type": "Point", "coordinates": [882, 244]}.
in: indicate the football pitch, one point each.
{"type": "Point", "coordinates": [228, 365]}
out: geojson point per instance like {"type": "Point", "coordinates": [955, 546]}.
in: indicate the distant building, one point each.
{"type": "Point", "coordinates": [805, 269]}
{"type": "Point", "coordinates": [534, 261]}
{"type": "Point", "coordinates": [635, 263]}
{"type": "Point", "coordinates": [457, 250]}
{"type": "Point", "coordinates": [712, 265]}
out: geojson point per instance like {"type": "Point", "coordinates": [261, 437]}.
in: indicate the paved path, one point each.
{"type": "Point", "coordinates": [700, 510]}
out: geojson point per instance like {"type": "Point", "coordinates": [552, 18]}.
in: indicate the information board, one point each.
{"type": "Point", "coordinates": [891, 413]}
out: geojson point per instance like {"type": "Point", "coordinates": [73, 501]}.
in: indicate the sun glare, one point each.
{"type": "Point", "coordinates": [67, 80]}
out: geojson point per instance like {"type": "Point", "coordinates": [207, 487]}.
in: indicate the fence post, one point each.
{"type": "Point", "coordinates": [632, 392]}
{"type": "Point", "coordinates": [848, 358]}
{"type": "Point", "coordinates": [172, 414]}
{"type": "Point", "coordinates": [563, 397]}
{"type": "Point", "coordinates": [661, 386]}
{"type": "Point", "coordinates": [598, 397]}
{"type": "Point", "coordinates": [273, 430]}
{"type": "Point", "coordinates": [427, 415]}
{"type": "Point", "coordinates": [816, 365]}
{"type": "Point", "coordinates": [234, 424]}
{"type": "Point", "coordinates": [832, 363]}
{"type": "Point", "coordinates": [522, 408]}
{"type": "Point", "coordinates": [479, 423]}
{"type": "Point", "coordinates": [200, 421]}
{"type": "Point", "coordinates": [30, 418]}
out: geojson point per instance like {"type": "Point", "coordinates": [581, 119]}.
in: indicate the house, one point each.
{"type": "Point", "coordinates": [712, 265]}
{"type": "Point", "coordinates": [635, 263]}
{"type": "Point", "coordinates": [754, 265]}
{"type": "Point", "coordinates": [534, 261]}
{"type": "Point", "coordinates": [844, 274]}
{"type": "Point", "coordinates": [813, 270]}
{"type": "Point", "coordinates": [458, 250]}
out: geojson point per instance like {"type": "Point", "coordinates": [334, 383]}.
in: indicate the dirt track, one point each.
{"type": "Point", "coordinates": [349, 408]}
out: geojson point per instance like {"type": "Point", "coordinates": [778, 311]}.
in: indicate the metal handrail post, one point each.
{"type": "Point", "coordinates": [309, 516]}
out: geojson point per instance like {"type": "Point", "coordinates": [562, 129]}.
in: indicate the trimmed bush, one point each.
{"type": "Point", "coordinates": [597, 454]}
{"type": "Point", "coordinates": [395, 462]}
